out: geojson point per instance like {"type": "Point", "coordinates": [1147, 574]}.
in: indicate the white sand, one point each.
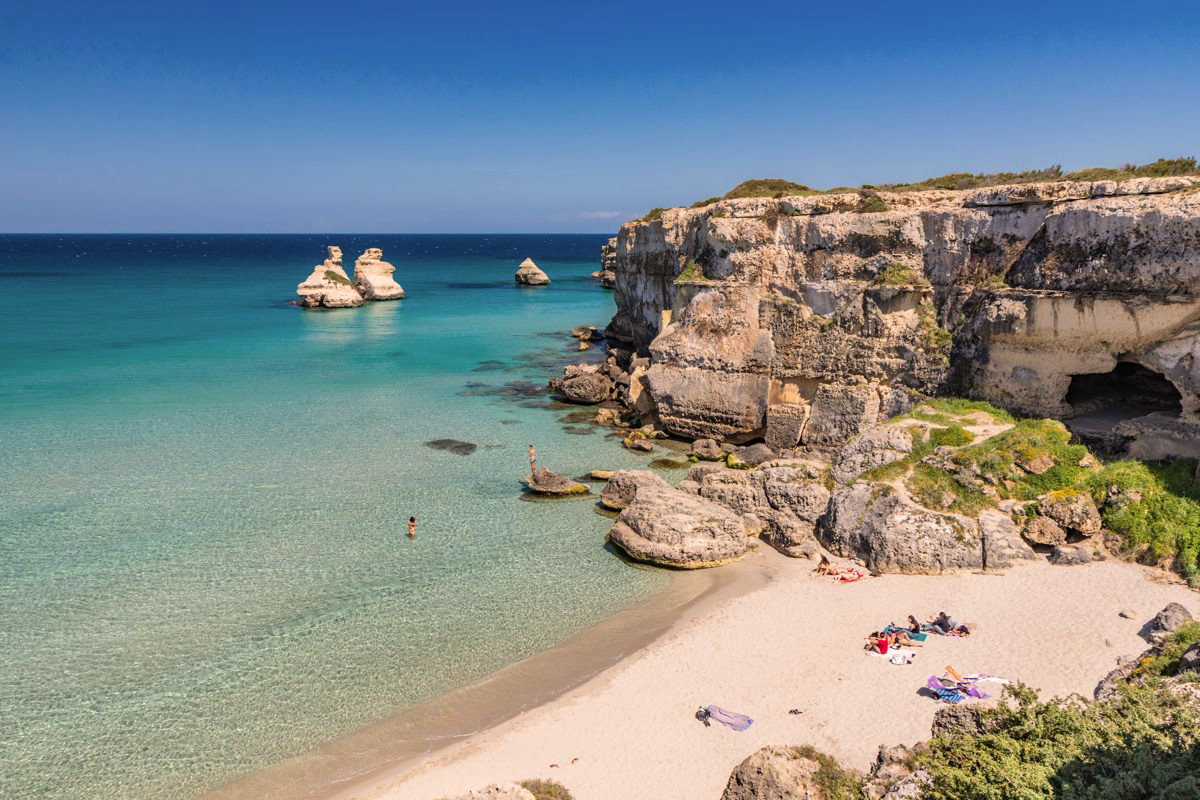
{"type": "Point", "coordinates": [630, 732]}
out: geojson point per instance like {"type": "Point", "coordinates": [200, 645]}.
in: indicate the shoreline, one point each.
{"type": "Point", "coordinates": [399, 743]}
{"type": "Point", "coordinates": [797, 644]}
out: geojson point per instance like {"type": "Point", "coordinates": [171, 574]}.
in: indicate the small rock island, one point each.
{"type": "Point", "coordinates": [330, 287]}
{"type": "Point", "coordinates": [530, 274]}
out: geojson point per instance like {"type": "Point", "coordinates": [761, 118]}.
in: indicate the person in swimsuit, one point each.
{"type": "Point", "coordinates": [412, 527]}
{"type": "Point", "coordinates": [532, 460]}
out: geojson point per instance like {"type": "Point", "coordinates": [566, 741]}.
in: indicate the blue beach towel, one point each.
{"type": "Point", "coordinates": [739, 722]}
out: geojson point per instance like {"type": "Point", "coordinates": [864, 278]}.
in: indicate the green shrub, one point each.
{"type": "Point", "coordinates": [1177, 643]}
{"type": "Point", "coordinates": [1143, 745]}
{"type": "Point", "coordinates": [937, 340]}
{"type": "Point", "coordinates": [653, 214]}
{"type": "Point", "coordinates": [766, 187]}
{"type": "Point", "coordinates": [1165, 524]}
{"type": "Point", "coordinates": [703, 203]}
{"type": "Point", "coordinates": [337, 277]}
{"type": "Point", "coordinates": [870, 202]}
{"type": "Point", "coordinates": [967, 180]}
{"type": "Point", "coordinates": [691, 273]}
{"type": "Point", "coordinates": [546, 790]}
{"type": "Point", "coordinates": [897, 274]}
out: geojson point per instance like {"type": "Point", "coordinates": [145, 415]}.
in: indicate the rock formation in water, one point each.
{"type": "Point", "coordinates": [530, 275]}
{"type": "Point", "coordinates": [328, 286]}
{"type": "Point", "coordinates": [806, 320]}
{"type": "Point", "coordinates": [373, 277]}
{"type": "Point", "coordinates": [545, 482]}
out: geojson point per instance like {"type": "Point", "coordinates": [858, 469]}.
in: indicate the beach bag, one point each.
{"type": "Point", "coordinates": [902, 658]}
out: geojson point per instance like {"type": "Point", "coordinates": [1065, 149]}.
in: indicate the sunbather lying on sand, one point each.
{"type": "Point", "coordinates": [845, 574]}
{"type": "Point", "coordinates": [892, 639]}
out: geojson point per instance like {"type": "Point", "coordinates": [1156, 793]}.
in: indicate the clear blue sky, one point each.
{"type": "Point", "coordinates": [510, 116]}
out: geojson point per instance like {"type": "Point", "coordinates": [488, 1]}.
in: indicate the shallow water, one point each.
{"type": "Point", "coordinates": [203, 492]}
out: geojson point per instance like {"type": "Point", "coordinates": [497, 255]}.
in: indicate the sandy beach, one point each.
{"type": "Point", "coordinates": [797, 644]}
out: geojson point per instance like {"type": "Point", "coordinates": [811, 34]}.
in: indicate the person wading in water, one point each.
{"type": "Point", "coordinates": [532, 460]}
{"type": "Point", "coordinates": [412, 527]}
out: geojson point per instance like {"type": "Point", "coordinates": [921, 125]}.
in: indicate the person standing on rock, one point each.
{"type": "Point", "coordinates": [532, 460]}
{"type": "Point", "coordinates": [412, 527]}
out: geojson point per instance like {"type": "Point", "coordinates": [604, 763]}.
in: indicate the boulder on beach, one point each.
{"type": "Point", "coordinates": [497, 791]}
{"type": "Point", "coordinates": [373, 277]}
{"type": "Point", "coordinates": [543, 481]}
{"type": "Point", "coordinates": [623, 486]}
{"type": "Point", "coordinates": [775, 772]}
{"type": "Point", "coordinates": [530, 275]}
{"type": "Point", "coordinates": [672, 528]}
{"type": "Point", "coordinates": [328, 286]}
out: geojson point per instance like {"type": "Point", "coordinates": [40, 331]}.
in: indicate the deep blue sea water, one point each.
{"type": "Point", "coordinates": [203, 492]}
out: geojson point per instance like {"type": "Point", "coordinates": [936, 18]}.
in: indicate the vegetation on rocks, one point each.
{"type": "Point", "coordinates": [653, 214]}
{"type": "Point", "coordinates": [897, 274]}
{"type": "Point", "coordinates": [1166, 661]}
{"type": "Point", "coordinates": [336, 277]}
{"type": "Point", "coordinates": [691, 273]}
{"type": "Point", "coordinates": [766, 187]}
{"type": "Point", "coordinates": [706, 202]}
{"type": "Point", "coordinates": [869, 202]}
{"type": "Point", "coordinates": [834, 781]}
{"type": "Point", "coordinates": [1163, 523]}
{"type": "Point", "coordinates": [1162, 168]}
{"type": "Point", "coordinates": [546, 790]}
{"type": "Point", "coordinates": [937, 340]}
{"type": "Point", "coordinates": [1144, 744]}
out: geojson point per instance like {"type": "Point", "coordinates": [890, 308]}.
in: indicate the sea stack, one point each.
{"type": "Point", "coordinates": [530, 275]}
{"type": "Point", "coordinates": [328, 286]}
{"type": "Point", "coordinates": [373, 277]}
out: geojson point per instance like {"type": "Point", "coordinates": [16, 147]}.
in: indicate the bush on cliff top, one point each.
{"type": "Point", "coordinates": [834, 781]}
{"type": "Point", "coordinates": [336, 277]}
{"type": "Point", "coordinates": [1164, 526]}
{"type": "Point", "coordinates": [546, 790]}
{"type": "Point", "coordinates": [1143, 745]}
{"type": "Point", "coordinates": [1162, 168]}
{"type": "Point", "coordinates": [766, 187]}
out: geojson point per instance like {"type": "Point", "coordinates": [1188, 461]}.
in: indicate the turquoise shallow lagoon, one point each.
{"type": "Point", "coordinates": [203, 567]}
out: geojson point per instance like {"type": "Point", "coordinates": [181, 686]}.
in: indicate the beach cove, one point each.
{"type": "Point", "coordinates": [204, 489]}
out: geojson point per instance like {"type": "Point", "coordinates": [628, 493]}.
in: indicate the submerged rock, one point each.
{"type": "Point", "coordinates": [543, 481]}
{"type": "Point", "coordinates": [373, 277]}
{"type": "Point", "coordinates": [529, 274]}
{"type": "Point", "coordinates": [329, 286]}
{"type": "Point", "coordinates": [672, 528]}
{"type": "Point", "coordinates": [459, 448]}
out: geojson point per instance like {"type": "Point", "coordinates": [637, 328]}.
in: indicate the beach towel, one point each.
{"type": "Point", "coordinates": [951, 696]}
{"type": "Point", "coordinates": [851, 577]}
{"type": "Point", "coordinates": [985, 678]}
{"type": "Point", "coordinates": [739, 722]}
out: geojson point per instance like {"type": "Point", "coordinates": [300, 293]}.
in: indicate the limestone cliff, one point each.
{"type": "Point", "coordinates": [806, 319]}
{"type": "Point", "coordinates": [373, 277]}
{"type": "Point", "coordinates": [329, 286]}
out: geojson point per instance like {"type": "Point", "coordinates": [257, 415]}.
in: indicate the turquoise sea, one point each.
{"type": "Point", "coordinates": [203, 495]}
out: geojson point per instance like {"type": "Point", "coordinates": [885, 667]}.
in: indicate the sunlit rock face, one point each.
{"type": "Point", "coordinates": [805, 320]}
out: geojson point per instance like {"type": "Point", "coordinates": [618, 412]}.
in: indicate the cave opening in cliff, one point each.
{"type": "Point", "coordinates": [1130, 389]}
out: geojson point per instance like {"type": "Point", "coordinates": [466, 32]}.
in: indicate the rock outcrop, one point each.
{"type": "Point", "coordinates": [789, 773]}
{"type": "Point", "coordinates": [672, 528]}
{"type": "Point", "coordinates": [805, 320]}
{"type": "Point", "coordinates": [587, 384]}
{"type": "Point", "coordinates": [530, 275]}
{"type": "Point", "coordinates": [373, 277]}
{"type": "Point", "coordinates": [543, 481]}
{"type": "Point", "coordinates": [624, 484]}
{"type": "Point", "coordinates": [329, 286]}
{"type": "Point", "coordinates": [497, 791]}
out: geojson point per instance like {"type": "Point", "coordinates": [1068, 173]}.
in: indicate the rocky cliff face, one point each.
{"type": "Point", "coordinates": [804, 320]}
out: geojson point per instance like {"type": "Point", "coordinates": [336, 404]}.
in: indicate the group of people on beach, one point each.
{"type": "Point", "coordinates": [914, 634]}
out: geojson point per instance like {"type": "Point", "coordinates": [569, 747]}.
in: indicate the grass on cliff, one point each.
{"type": "Point", "coordinates": [546, 790]}
{"type": "Point", "coordinates": [897, 274]}
{"type": "Point", "coordinates": [1163, 527]}
{"type": "Point", "coordinates": [778, 187]}
{"type": "Point", "coordinates": [766, 187]}
{"type": "Point", "coordinates": [691, 273]}
{"type": "Point", "coordinates": [336, 277]}
{"type": "Point", "coordinates": [1142, 745]}
{"type": "Point", "coordinates": [832, 780]}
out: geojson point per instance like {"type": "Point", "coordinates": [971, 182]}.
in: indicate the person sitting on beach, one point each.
{"type": "Point", "coordinates": [947, 625]}
{"type": "Point", "coordinates": [412, 527]}
{"type": "Point", "coordinates": [913, 625]}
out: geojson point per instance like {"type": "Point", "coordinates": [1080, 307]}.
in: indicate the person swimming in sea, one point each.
{"type": "Point", "coordinates": [412, 527]}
